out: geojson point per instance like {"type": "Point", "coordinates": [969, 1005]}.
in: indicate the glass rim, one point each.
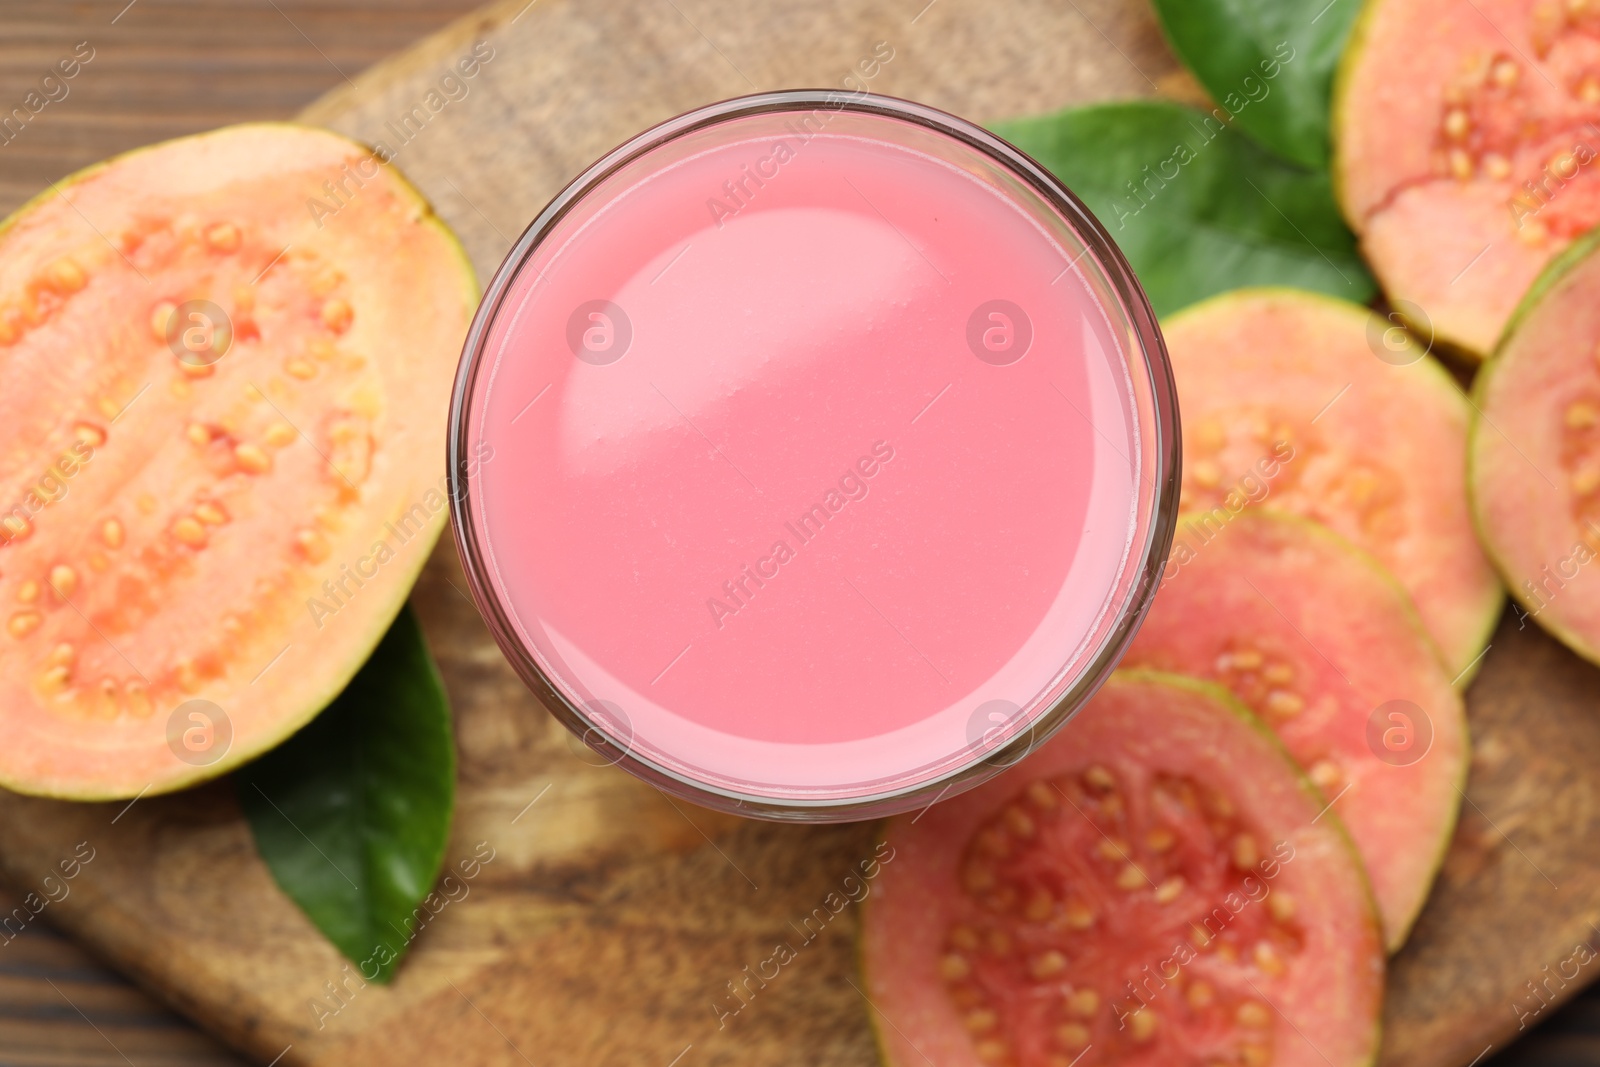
{"type": "Point", "coordinates": [1146, 561]}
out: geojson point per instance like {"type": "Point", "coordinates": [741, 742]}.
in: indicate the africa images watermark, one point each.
{"type": "Point", "coordinates": [53, 889]}
{"type": "Point", "coordinates": [337, 993]}
{"type": "Point", "coordinates": [1252, 488]}
{"type": "Point", "coordinates": [855, 890]}
{"type": "Point", "coordinates": [51, 486]}
{"type": "Point", "coordinates": [1544, 993]}
{"type": "Point", "coordinates": [1255, 888]}
{"type": "Point", "coordinates": [397, 534]}
{"type": "Point", "coordinates": [1559, 171]}
{"type": "Point", "coordinates": [52, 89]}
{"type": "Point", "coordinates": [452, 87]}
{"type": "Point", "coordinates": [1537, 595]}
{"type": "Point", "coordinates": [1254, 89]}
{"type": "Point", "coordinates": [739, 191]}
{"type": "Point", "coordinates": [741, 589]}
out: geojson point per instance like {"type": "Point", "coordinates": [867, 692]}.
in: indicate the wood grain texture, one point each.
{"type": "Point", "coordinates": [165, 68]}
{"type": "Point", "coordinates": [611, 920]}
{"type": "Point", "coordinates": [60, 1008]}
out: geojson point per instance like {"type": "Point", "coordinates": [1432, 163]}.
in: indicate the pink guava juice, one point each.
{"type": "Point", "coordinates": [810, 454]}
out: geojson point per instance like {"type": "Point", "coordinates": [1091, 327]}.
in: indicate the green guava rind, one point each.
{"type": "Point", "coordinates": [1520, 489]}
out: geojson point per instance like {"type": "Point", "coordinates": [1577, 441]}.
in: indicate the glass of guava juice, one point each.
{"type": "Point", "coordinates": [814, 456]}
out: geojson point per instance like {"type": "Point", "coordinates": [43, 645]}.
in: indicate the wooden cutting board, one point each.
{"type": "Point", "coordinates": [609, 922]}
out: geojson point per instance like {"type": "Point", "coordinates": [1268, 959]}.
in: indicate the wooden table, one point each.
{"type": "Point", "coordinates": [161, 69]}
{"type": "Point", "coordinates": [164, 68]}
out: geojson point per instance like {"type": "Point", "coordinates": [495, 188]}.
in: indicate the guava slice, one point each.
{"type": "Point", "coordinates": [1465, 149]}
{"type": "Point", "coordinates": [227, 360]}
{"type": "Point", "coordinates": [1157, 884]}
{"type": "Point", "coordinates": [1318, 407]}
{"type": "Point", "coordinates": [1322, 643]}
{"type": "Point", "coordinates": [1534, 456]}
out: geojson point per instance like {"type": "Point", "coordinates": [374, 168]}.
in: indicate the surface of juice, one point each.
{"type": "Point", "coordinates": [802, 453]}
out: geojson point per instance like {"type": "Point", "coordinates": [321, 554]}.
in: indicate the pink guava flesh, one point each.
{"type": "Point", "coordinates": [1157, 884]}
{"type": "Point", "coordinates": [1320, 642]}
{"type": "Point", "coordinates": [1466, 144]}
{"type": "Point", "coordinates": [1535, 453]}
{"type": "Point", "coordinates": [1319, 408]}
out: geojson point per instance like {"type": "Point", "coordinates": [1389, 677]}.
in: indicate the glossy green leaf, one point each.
{"type": "Point", "coordinates": [1268, 63]}
{"type": "Point", "coordinates": [1196, 207]}
{"type": "Point", "coordinates": [352, 813]}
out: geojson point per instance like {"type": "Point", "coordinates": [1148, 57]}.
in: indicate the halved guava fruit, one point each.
{"type": "Point", "coordinates": [1534, 455]}
{"type": "Point", "coordinates": [1157, 884]}
{"type": "Point", "coordinates": [227, 360]}
{"type": "Point", "coordinates": [1322, 643]}
{"type": "Point", "coordinates": [1465, 150]}
{"type": "Point", "coordinates": [1318, 407]}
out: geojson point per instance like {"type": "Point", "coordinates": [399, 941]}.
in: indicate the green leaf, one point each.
{"type": "Point", "coordinates": [1269, 63]}
{"type": "Point", "coordinates": [1196, 207]}
{"type": "Point", "coordinates": [352, 813]}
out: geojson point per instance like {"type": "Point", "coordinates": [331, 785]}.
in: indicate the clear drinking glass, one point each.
{"type": "Point", "coordinates": [814, 455]}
